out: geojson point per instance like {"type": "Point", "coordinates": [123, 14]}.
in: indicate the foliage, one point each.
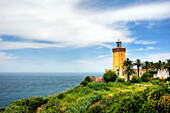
{"type": "Point", "coordinates": [61, 95]}
{"type": "Point", "coordinates": [146, 77]}
{"type": "Point", "coordinates": [87, 79]}
{"type": "Point", "coordinates": [82, 104]}
{"type": "Point", "coordinates": [155, 82]}
{"type": "Point", "coordinates": [83, 83]}
{"type": "Point", "coordinates": [136, 79]}
{"type": "Point", "coordinates": [98, 86]}
{"type": "Point", "coordinates": [167, 79]}
{"type": "Point", "coordinates": [110, 76]}
{"type": "Point", "coordinates": [153, 72]}
{"type": "Point", "coordinates": [95, 109]}
{"type": "Point", "coordinates": [121, 80]}
{"type": "Point", "coordinates": [35, 102]}
{"type": "Point", "coordinates": [138, 64]}
{"type": "Point", "coordinates": [129, 71]}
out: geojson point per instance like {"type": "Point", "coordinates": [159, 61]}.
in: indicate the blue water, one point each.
{"type": "Point", "coordinates": [15, 86]}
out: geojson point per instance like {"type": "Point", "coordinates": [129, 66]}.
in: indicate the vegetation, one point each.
{"type": "Point", "coordinates": [135, 79]}
{"type": "Point", "coordinates": [138, 64]}
{"type": "Point", "coordinates": [110, 76]}
{"type": "Point", "coordinates": [146, 77]}
{"type": "Point", "coordinates": [99, 97]}
{"type": "Point", "coordinates": [148, 95]}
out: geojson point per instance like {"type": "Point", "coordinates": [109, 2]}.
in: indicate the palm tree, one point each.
{"type": "Point", "coordinates": [129, 71]}
{"type": "Point", "coordinates": [152, 66]}
{"type": "Point", "coordinates": [138, 64]}
{"type": "Point", "coordinates": [146, 65]}
{"type": "Point", "coordinates": [128, 64]}
{"type": "Point", "coordinates": [159, 65]}
{"type": "Point", "coordinates": [167, 66]}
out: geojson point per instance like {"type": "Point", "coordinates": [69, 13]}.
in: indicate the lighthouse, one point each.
{"type": "Point", "coordinates": [118, 56]}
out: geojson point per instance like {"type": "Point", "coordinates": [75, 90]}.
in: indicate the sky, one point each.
{"type": "Point", "coordinates": [78, 35]}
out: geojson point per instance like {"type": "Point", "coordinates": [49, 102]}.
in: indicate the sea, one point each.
{"type": "Point", "coordinates": [15, 86]}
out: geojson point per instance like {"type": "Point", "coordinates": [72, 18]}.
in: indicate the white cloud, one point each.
{"type": "Point", "coordinates": [145, 42]}
{"type": "Point", "coordinates": [61, 21]}
{"type": "Point", "coordinates": [140, 49]}
{"type": "Point", "coordinates": [4, 56]}
{"type": "Point", "coordinates": [147, 48]}
{"type": "Point", "coordinates": [150, 48]}
{"type": "Point", "coordinates": [155, 57]}
{"type": "Point", "coordinates": [25, 45]}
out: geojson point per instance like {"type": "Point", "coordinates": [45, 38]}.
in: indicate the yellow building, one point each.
{"type": "Point", "coordinates": [118, 59]}
{"type": "Point", "coordinates": [118, 56]}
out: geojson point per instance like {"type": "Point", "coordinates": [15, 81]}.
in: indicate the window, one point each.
{"type": "Point", "coordinates": [122, 59]}
{"type": "Point", "coordinates": [121, 54]}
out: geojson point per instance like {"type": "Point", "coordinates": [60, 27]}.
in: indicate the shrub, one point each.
{"type": "Point", "coordinates": [61, 95]}
{"type": "Point", "coordinates": [98, 86]}
{"type": "Point", "coordinates": [153, 72]}
{"type": "Point", "coordinates": [110, 76]}
{"type": "Point", "coordinates": [87, 79]}
{"type": "Point", "coordinates": [157, 78]}
{"type": "Point", "coordinates": [52, 103]}
{"type": "Point", "coordinates": [95, 109]}
{"type": "Point", "coordinates": [83, 83]}
{"type": "Point", "coordinates": [155, 82]}
{"type": "Point", "coordinates": [146, 77]}
{"type": "Point", "coordinates": [35, 102]}
{"type": "Point", "coordinates": [135, 79]}
{"type": "Point", "coordinates": [167, 79]}
{"type": "Point", "coordinates": [120, 80]}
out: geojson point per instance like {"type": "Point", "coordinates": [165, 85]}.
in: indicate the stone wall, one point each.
{"type": "Point", "coordinates": [120, 73]}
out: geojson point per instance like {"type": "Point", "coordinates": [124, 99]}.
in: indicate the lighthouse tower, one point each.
{"type": "Point", "coordinates": [118, 56]}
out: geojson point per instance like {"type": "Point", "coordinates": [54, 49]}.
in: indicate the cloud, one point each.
{"type": "Point", "coordinates": [25, 45]}
{"type": "Point", "coordinates": [140, 49]}
{"type": "Point", "coordinates": [5, 57]}
{"type": "Point", "coordinates": [156, 57]}
{"type": "Point", "coordinates": [68, 25]}
{"type": "Point", "coordinates": [144, 42]}
{"type": "Point", "coordinates": [150, 48]}
{"type": "Point", "coordinates": [147, 48]}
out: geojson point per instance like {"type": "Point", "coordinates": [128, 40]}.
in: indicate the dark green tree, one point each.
{"type": "Point", "coordinates": [167, 66]}
{"type": "Point", "coordinates": [146, 65]}
{"type": "Point", "coordinates": [110, 76]}
{"type": "Point", "coordinates": [129, 71]}
{"type": "Point", "coordinates": [138, 64]}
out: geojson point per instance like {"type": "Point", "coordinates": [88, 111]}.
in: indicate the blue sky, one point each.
{"type": "Point", "coordinates": [77, 35]}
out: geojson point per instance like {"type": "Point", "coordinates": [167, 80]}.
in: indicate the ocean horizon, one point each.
{"type": "Point", "coordinates": [19, 85]}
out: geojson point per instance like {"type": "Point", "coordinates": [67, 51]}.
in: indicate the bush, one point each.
{"type": "Point", "coordinates": [83, 83]}
{"type": "Point", "coordinates": [157, 78]}
{"type": "Point", "coordinates": [98, 86]}
{"type": "Point", "coordinates": [153, 72]}
{"type": "Point", "coordinates": [35, 102]}
{"type": "Point", "coordinates": [110, 76]}
{"type": "Point", "coordinates": [146, 77]}
{"type": "Point", "coordinates": [155, 82]}
{"type": "Point", "coordinates": [61, 95]}
{"type": "Point", "coordinates": [95, 109]}
{"type": "Point", "coordinates": [87, 79]}
{"type": "Point", "coordinates": [167, 79]}
{"type": "Point", "coordinates": [135, 79]}
{"type": "Point", "coordinates": [120, 80]}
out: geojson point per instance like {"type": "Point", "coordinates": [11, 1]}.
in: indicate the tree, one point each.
{"type": "Point", "coordinates": [167, 66]}
{"type": "Point", "coordinates": [127, 62]}
{"type": "Point", "coordinates": [138, 64]}
{"type": "Point", "coordinates": [146, 65]}
{"type": "Point", "coordinates": [152, 66]}
{"type": "Point", "coordinates": [129, 71]}
{"type": "Point", "coordinates": [110, 76]}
